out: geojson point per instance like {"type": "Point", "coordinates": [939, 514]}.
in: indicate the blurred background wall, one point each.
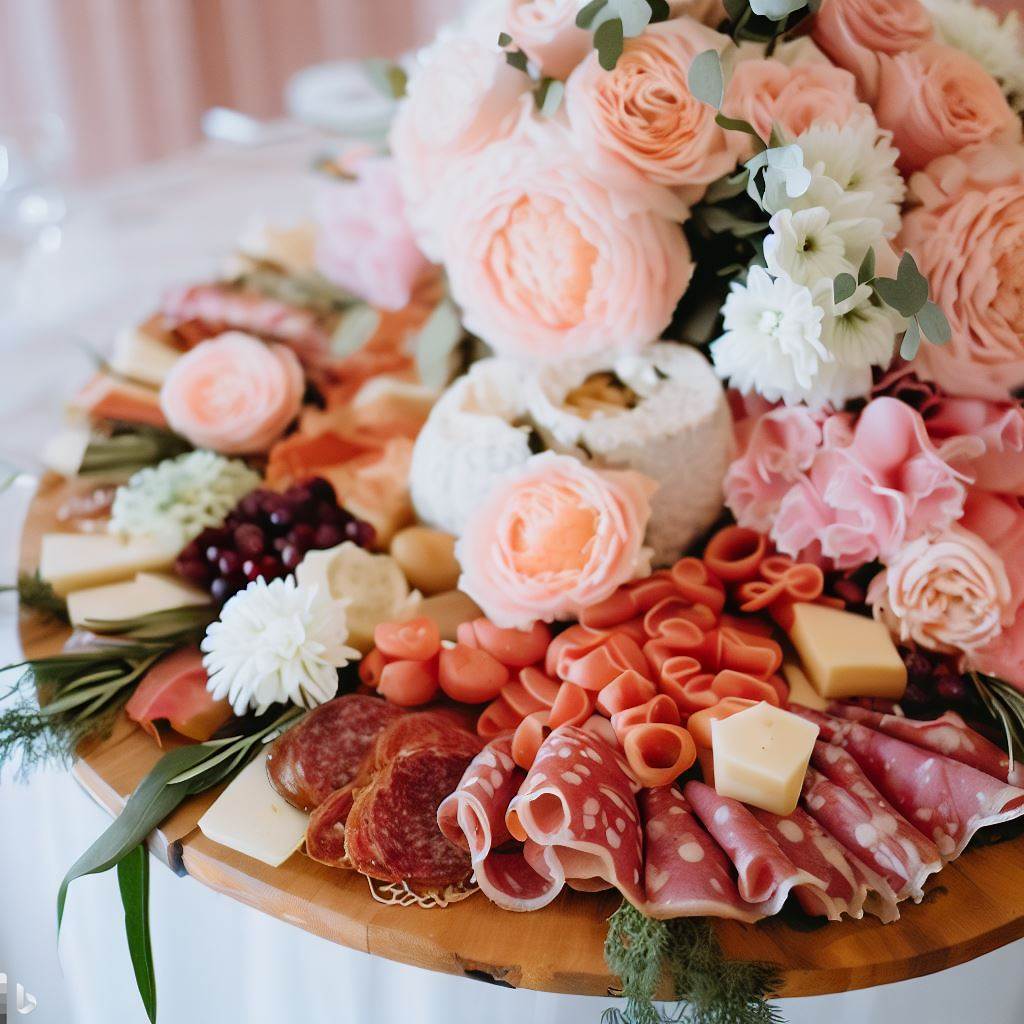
{"type": "Point", "coordinates": [129, 79]}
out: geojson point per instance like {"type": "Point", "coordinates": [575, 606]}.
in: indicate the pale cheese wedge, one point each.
{"type": "Point", "coordinates": [800, 689]}
{"type": "Point", "coordinates": [143, 357]}
{"type": "Point", "coordinates": [73, 561]}
{"type": "Point", "coordinates": [64, 452]}
{"type": "Point", "coordinates": [146, 594]}
{"type": "Point", "coordinates": [252, 818]}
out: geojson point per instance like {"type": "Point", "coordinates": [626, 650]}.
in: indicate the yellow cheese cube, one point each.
{"type": "Point", "coordinates": [847, 655]}
{"type": "Point", "coordinates": [800, 689]}
{"type": "Point", "coordinates": [761, 756]}
{"type": "Point", "coordinates": [144, 595]}
{"type": "Point", "coordinates": [71, 561]}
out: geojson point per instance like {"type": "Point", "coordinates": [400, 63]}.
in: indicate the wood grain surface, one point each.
{"type": "Point", "coordinates": [972, 906]}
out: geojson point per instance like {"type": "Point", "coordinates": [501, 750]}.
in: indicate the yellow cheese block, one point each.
{"type": "Point", "coordinates": [847, 655]}
{"type": "Point", "coordinates": [143, 357]}
{"type": "Point", "coordinates": [144, 595]}
{"type": "Point", "coordinates": [449, 610]}
{"type": "Point", "coordinates": [73, 561]}
{"type": "Point", "coordinates": [800, 689]}
{"type": "Point", "coordinates": [252, 818]}
{"type": "Point", "coordinates": [761, 755]}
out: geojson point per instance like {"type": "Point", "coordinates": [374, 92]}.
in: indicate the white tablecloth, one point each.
{"type": "Point", "coordinates": [216, 960]}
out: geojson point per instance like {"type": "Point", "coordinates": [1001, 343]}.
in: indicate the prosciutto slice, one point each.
{"type": "Point", "coordinates": [766, 874]}
{"type": "Point", "coordinates": [838, 795]}
{"type": "Point", "coordinates": [948, 734]}
{"type": "Point", "coordinates": [686, 874]}
{"type": "Point", "coordinates": [577, 806]}
{"type": "Point", "coordinates": [945, 799]}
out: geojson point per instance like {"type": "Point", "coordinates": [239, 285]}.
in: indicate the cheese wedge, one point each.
{"type": "Point", "coordinates": [800, 689]}
{"type": "Point", "coordinates": [846, 655]}
{"type": "Point", "coordinates": [142, 356]}
{"type": "Point", "coordinates": [144, 595]}
{"type": "Point", "coordinates": [63, 453]}
{"type": "Point", "coordinates": [73, 561]}
{"type": "Point", "coordinates": [252, 818]}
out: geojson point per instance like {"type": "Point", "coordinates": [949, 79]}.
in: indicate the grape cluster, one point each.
{"type": "Point", "coordinates": [267, 534]}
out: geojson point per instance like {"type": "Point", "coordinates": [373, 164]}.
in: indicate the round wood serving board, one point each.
{"type": "Point", "coordinates": [972, 906]}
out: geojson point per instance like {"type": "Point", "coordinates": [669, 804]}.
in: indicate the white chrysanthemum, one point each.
{"type": "Point", "coordinates": [998, 46]}
{"type": "Point", "coordinates": [808, 245]}
{"type": "Point", "coordinates": [276, 642]}
{"type": "Point", "coordinates": [772, 342]}
{"type": "Point", "coordinates": [179, 498]}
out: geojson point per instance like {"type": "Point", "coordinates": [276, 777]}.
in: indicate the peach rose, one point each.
{"type": "Point", "coordinates": [552, 538]}
{"type": "Point", "coordinates": [642, 116]}
{"type": "Point", "coordinates": [855, 32]}
{"type": "Point", "coordinates": [547, 263]}
{"type": "Point", "coordinates": [461, 97]}
{"type": "Point", "coordinates": [967, 235]}
{"type": "Point", "coordinates": [947, 593]}
{"type": "Point", "coordinates": [937, 100]}
{"type": "Point", "coordinates": [233, 394]}
{"type": "Point", "coordinates": [764, 91]}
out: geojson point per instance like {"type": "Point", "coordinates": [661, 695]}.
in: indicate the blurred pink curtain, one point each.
{"type": "Point", "coordinates": [130, 78]}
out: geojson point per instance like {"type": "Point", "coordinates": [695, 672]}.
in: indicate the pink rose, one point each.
{"type": "Point", "coordinates": [871, 488]}
{"type": "Point", "coordinates": [793, 96]}
{"type": "Point", "coordinates": [937, 100]}
{"type": "Point", "coordinates": [461, 97]}
{"type": "Point", "coordinates": [233, 394]}
{"type": "Point", "coordinates": [779, 449]}
{"type": "Point", "coordinates": [642, 116]}
{"type": "Point", "coordinates": [855, 32]}
{"type": "Point", "coordinates": [967, 235]}
{"type": "Point", "coordinates": [948, 592]}
{"type": "Point", "coordinates": [553, 537]}
{"type": "Point", "coordinates": [547, 263]}
{"type": "Point", "coordinates": [364, 242]}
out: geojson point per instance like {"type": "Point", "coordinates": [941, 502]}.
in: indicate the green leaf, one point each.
{"type": "Point", "coordinates": [387, 76]}
{"type": "Point", "coordinates": [727, 187]}
{"type": "Point", "coordinates": [355, 328]}
{"type": "Point", "coordinates": [737, 124]}
{"type": "Point", "coordinates": [867, 267]}
{"type": "Point", "coordinates": [35, 593]}
{"type": "Point", "coordinates": [705, 78]}
{"type": "Point", "coordinates": [504, 39]}
{"type": "Point", "coordinates": [721, 221]}
{"type": "Point", "coordinates": [177, 625]}
{"type": "Point", "coordinates": [912, 283]}
{"type": "Point", "coordinates": [549, 95]}
{"type": "Point", "coordinates": [518, 60]}
{"type": "Point", "coordinates": [904, 295]}
{"type": "Point", "coordinates": [588, 12]}
{"type": "Point", "coordinates": [843, 287]}
{"type": "Point", "coordinates": [911, 341]}
{"type": "Point", "coordinates": [435, 342]}
{"type": "Point", "coordinates": [133, 881]}
{"type": "Point", "coordinates": [934, 323]}
{"type": "Point", "coordinates": [129, 447]}
{"type": "Point", "coordinates": [660, 10]}
{"type": "Point", "coordinates": [608, 40]}
{"type": "Point", "coordinates": [736, 8]}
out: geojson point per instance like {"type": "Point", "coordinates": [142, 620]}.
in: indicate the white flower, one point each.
{"type": "Point", "coordinates": [998, 46]}
{"type": "Point", "coordinates": [808, 245]}
{"type": "Point", "coordinates": [276, 642]}
{"type": "Point", "coordinates": [784, 175]}
{"type": "Point", "coordinates": [772, 342]}
{"type": "Point", "coordinates": [178, 498]}
{"type": "Point", "coordinates": [776, 10]}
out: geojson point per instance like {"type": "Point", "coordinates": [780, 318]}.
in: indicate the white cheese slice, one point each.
{"type": "Point", "coordinates": [252, 818]}
{"type": "Point", "coordinates": [63, 453]}
{"type": "Point", "coordinates": [142, 357]}
{"type": "Point", "coordinates": [73, 561]}
{"type": "Point", "coordinates": [800, 689]}
{"type": "Point", "coordinates": [144, 595]}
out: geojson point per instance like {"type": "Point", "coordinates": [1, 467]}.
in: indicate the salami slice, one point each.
{"type": "Point", "coordinates": [948, 734]}
{"type": "Point", "coordinates": [325, 750]}
{"type": "Point", "coordinates": [686, 874]}
{"type": "Point", "coordinates": [842, 800]}
{"type": "Point", "coordinates": [947, 800]}
{"type": "Point", "coordinates": [577, 804]}
{"type": "Point", "coordinates": [766, 874]}
{"type": "Point", "coordinates": [325, 833]}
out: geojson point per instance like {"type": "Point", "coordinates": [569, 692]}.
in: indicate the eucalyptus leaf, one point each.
{"type": "Point", "coordinates": [912, 283]}
{"type": "Point", "coordinates": [608, 40]}
{"type": "Point", "coordinates": [504, 39]}
{"type": "Point", "coordinates": [660, 10]}
{"type": "Point", "coordinates": [867, 267]}
{"type": "Point", "coordinates": [736, 8]}
{"type": "Point", "coordinates": [356, 327]}
{"type": "Point", "coordinates": [728, 187]}
{"type": "Point", "coordinates": [911, 341]}
{"type": "Point", "coordinates": [387, 76]}
{"type": "Point", "coordinates": [549, 96]}
{"type": "Point", "coordinates": [705, 78]}
{"type": "Point", "coordinates": [721, 221]}
{"type": "Point", "coordinates": [588, 12]}
{"type": "Point", "coordinates": [133, 882]}
{"type": "Point", "coordinates": [934, 324]}
{"type": "Point", "coordinates": [843, 287]}
{"type": "Point", "coordinates": [518, 60]}
{"type": "Point", "coordinates": [435, 342]}
{"type": "Point", "coordinates": [903, 297]}
{"type": "Point", "coordinates": [737, 124]}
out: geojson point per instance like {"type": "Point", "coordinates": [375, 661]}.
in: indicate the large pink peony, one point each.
{"type": "Point", "coordinates": [547, 263]}
{"type": "Point", "coordinates": [967, 234]}
{"type": "Point", "coordinates": [552, 538]}
{"type": "Point", "coordinates": [364, 242]}
{"type": "Point", "coordinates": [937, 100]}
{"type": "Point", "coordinates": [642, 116]}
{"type": "Point", "coordinates": [233, 394]}
{"type": "Point", "coordinates": [855, 33]}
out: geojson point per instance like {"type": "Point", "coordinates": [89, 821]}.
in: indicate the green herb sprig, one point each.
{"type": "Point", "coordinates": [127, 447]}
{"type": "Point", "coordinates": [1006, 705]}
{"type": "Point", "coordinates": [37, 595]}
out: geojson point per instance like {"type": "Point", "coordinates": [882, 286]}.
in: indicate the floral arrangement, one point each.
{"type": "Point", "coordinates": [650, 401]}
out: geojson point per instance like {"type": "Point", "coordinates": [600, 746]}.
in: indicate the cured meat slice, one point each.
{"type": "Point", "coordinates": [326, 749]}
{"type": "Point", "coordinates": [947, 800]}
{"type": "Point", "coordinates": [421, 729]}
{"type": "Point", "coordinates": [842, 800]}
{"type": "Point", "coordinates": [577, 804]}
{"type": "Point", "coordinates": [766, 874]}
{"type": "Point", "coordinates": [948, 734]}
{"type": "Point", "coordinates": [511, 881]}
{"type": "Point", "coordinates": [392, 834]}
{"type": "Point", "coordinates": [686, 874]}
{"type": "Point", "coordinates": [325, 833]}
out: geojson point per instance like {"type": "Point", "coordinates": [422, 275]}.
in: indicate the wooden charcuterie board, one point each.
{"type": "Point", "coordinates": [974, 905]}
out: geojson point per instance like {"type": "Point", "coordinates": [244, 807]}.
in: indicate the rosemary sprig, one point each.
{"type": "Point", "coordinates": [710, 988]}
{"type": "Point", "coordinates": [35, 593]}
{"type": "Point", "coordinates": [1006, 705]}
{"type": "Point", "coordinates": [128, 447]}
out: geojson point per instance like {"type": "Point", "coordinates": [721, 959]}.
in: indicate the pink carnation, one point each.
{"type": "Point", "coordinates": [364, 242]}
